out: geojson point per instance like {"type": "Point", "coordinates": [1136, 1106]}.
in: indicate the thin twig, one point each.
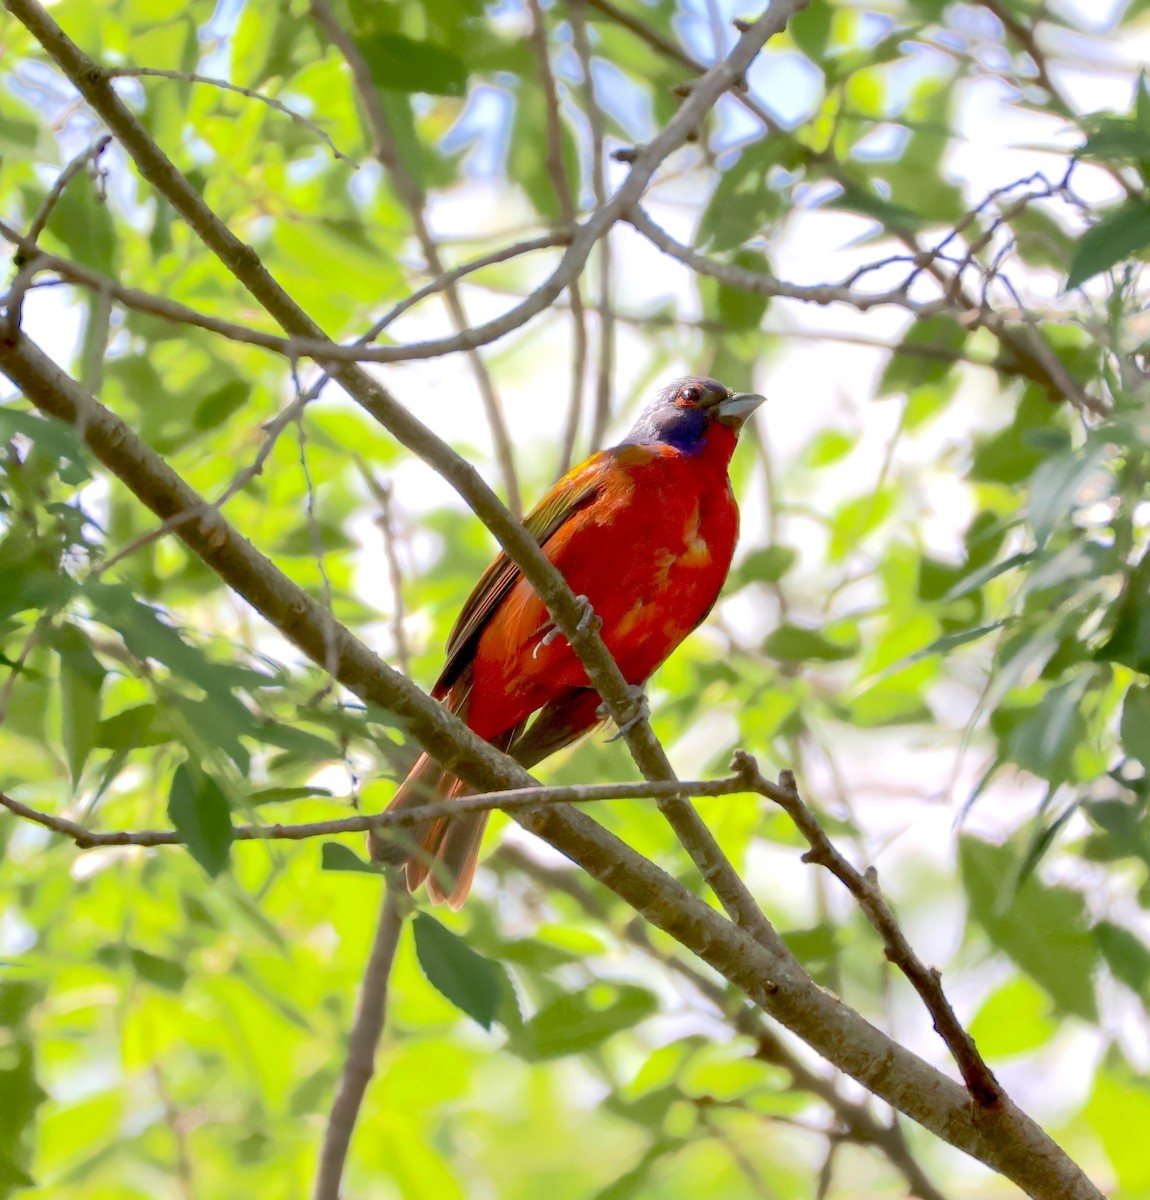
{"type": "Point", "coordinates": [415, 201]}
{"type": "Point", "coordinates": [289, 347]}
{"type": "Point", "coordinates": [383, 494]}
{"type": "Point", "coordinates": [854, 1118]}
{"type": "Point", "coordinates": [561, 186]}
{"type": "Point", "coordinates": [47, 207]}
{"type": "Point", "coordinates": [227, 86]}
{"type": "Point", "coordinates": [366, 1030]}
{"type": "Point", "coordinates": [927, 981]}
{"type": "Point", "coordinates": [605, 370]}
{"type": "Point", "coordinates": [509, 800]}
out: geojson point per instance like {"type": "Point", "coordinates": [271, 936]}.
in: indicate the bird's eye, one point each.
{"type": "Point", "coordinates": [691, 395]}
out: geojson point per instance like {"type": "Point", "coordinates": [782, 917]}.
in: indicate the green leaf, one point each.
{"type": "Point", "coordinates": [277, 795]}
{"type": "Point", "coordinates": [811, 28]}
{"type": "Point", "coordinates": [1014, 1020]}
{"type": "Point", "coordinates": [81, 678]}
{"type": "Point", "coordinates": [1055, 487]}
{"type": "Point", "coordinates": [472, 983]}
{"type": "Point", "coordinates": [82, 222]}
{"type": "Point", "coordinates": [828, 447]}
{"type": "Point", "coordinates": [215, 408]}
{"type": "Point", "coordinates": [926, 354]}
{"type": "Point", "coordinates": [12, 1175]}
{"type": "Point", "coordinates": [1119, 1113]}
{"type": "Point", "coordinates": [335, 856]}
{"type": "Point", "coordinates": [742, 205]}
{"type": "Point", "coordinates": [134, 728]}
{"type": "Point", "coordinates": [401, 64]}
{"type": "Point", "coordinates": [794, 643]}
{"type": "Point", "coordinates": [895, 217]}
{"type": "Point", "coordinates": [1011, 454]}
{"type": "Point", "coordinates": [164, 973]}
{"type": "Point", "coordinates": [1041, 928]}
{"type": "Point", "coordinates": [582, 1020]}
{"type": "Point", "coordinates": [1115, 238]}
{"type": "Point", "coordinates": [1129, 640]}
{"type": "Point", "coordinates": [737, 308]}
{"type": "Point", "coordinates": [1135, 725]}
{"type": "Point", "coordinates": [767, 565]}
{"type": "Point", "coordinates": [1045, 741]}
{"type": "Point", "coordinates": [1127, 956]}
{"type": "Point", "coordinates": [199, 811]}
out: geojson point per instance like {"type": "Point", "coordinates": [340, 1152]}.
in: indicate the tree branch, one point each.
{"type": "Point", "coordinates": [359, 1066]}
{"type": "Point", "coordinates": [566, 611]}
{"type": "Point", "coordinates": [979, 1078]}
{"type": "Point", "coordinates": [1001, 1135]}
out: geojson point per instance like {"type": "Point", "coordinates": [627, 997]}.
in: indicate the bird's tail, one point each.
{"type": "Point", "coordinates": [442, 851]}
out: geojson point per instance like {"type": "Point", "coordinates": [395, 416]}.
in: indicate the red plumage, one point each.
{"type": "Point", "coordinates": [645, 531]}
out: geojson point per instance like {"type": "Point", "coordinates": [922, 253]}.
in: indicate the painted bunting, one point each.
{"type": "Point", "coordinates": [644, 532]}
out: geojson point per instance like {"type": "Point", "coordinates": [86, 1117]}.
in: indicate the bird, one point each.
{"type": "Point", "coordinates": [644, 533]}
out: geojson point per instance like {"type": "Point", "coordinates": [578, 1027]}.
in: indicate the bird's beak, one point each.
{"type": "Point", "coordinates": [737, 408]}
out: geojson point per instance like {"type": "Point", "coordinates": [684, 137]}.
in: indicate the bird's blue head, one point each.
{"type": "Point", "coordinates": [685, 412]}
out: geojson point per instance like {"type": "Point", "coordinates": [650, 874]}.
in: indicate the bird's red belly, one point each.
{"type": "Point", "coordinates": [650, 571]}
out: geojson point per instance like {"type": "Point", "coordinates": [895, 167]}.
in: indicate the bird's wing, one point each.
{"type": "Point", "coordinates": [573, 492]}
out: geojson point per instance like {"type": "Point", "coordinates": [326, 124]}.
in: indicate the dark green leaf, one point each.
{"type": "Point", "coordinates": [215, 408]}
{"type": "Point", "coordinates": [768, 565]}
{"type": "Point", "coordinates": [926, 354]}
{"type": "Point", "coordinates": [165, 973]}
{"type": "Point", "coordinates": [1041, 928]}
{"type": "Point", "coordinates": [1127, 956]}
{"type": "Point", "coordinates": [133, 728]}
{"type": "Point", "coordinates": [794, 643]}
{"type": "Point", "coordinates": [1135, 726]}
{"type": "Point", "coordinates": [401, 64]}
{"type": "Point", "coordinates": [277, 795]}
{"type": "Point", "coordinates": [742, 204]}
{"type": "Point", "coordinates": [82, 222]}
{"type": "Point", "coordinates": [199, 811]}
{"type": "Point", "coordinates": [811, 27]}
{"type": "Point", "coordinates": [895, 217]}
{"type": "Point", "coordinates": [1115, 238]}
{"type": "Point", "coordinates": [1055, 487]}
{"type": "Point", "coordinates": [1044, 742]}
{"type": "Point", "coordinates": [335, 856]}
{"type": "Point", "coordinates": [471, 982]}
{"type": "Point", "coordinates": [81, 678]}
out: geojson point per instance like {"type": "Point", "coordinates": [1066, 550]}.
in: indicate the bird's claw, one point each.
{"type": "Point", "coordinates": [588, 617]}
{"type": "Point", "coordinates": [641, 713]}
{"type": "Point", "coordinates": [552, 632]}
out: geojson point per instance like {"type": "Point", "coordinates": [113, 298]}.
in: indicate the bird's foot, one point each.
{"type": "Point", "coordinates": [552, 632]}
{"type": "Point", "coordinates": [588, 618]}
{"type": "Point", "coordinates": [642, 710]}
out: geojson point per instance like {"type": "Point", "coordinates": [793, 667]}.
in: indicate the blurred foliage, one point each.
{"type": "Point", "coordinates": [172, 1022]}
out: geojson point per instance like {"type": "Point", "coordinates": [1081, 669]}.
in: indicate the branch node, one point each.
{"type": "Point", "coordinates": [625, 154]}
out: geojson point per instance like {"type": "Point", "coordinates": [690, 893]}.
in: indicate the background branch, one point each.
{"type": "Point", "coordinates": [366, 1030]}
{"type": "Point", "coordinates": [1002, 1136]}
